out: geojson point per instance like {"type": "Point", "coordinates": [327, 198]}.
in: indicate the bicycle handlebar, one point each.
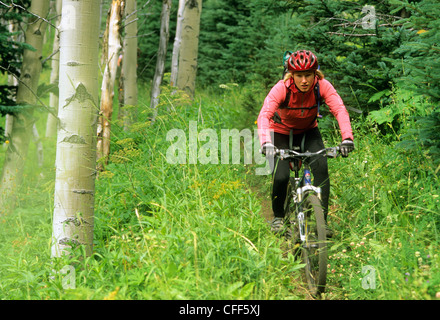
{"type": "Point", "coordinates": [286, 154]}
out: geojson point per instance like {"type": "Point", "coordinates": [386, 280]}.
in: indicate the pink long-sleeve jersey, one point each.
{"type": "Point", "coordinates": [300, 119]}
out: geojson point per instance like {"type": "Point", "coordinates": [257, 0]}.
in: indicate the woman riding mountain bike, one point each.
{"type": "Point", "coordinates": [290, 111]}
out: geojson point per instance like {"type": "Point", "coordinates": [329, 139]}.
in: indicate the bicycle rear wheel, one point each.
{"type": "Point", "coordinates": [314, 248]}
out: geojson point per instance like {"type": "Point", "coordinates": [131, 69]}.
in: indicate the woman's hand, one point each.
{"type": "Point", "coordinates": [346, 147]}
{"type": "Point", "coordinates": [268, 149]}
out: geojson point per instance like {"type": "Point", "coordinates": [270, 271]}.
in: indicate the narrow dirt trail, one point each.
{"type": "Point", "coordinates": [266, 211]}
{"type": "Point", "coordinates": [266, 203]}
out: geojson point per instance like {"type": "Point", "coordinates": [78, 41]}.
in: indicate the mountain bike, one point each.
{"type": "Point", "coordinates": [303, 201]}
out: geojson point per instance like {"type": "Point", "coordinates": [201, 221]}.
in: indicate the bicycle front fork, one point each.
{"type": "Point", "coordinates": [299, 196]}
{"type": "Point", "coordinates": [301, 225]}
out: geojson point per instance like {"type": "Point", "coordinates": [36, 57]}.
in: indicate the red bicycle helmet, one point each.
{"type": "Point", "coordinates": [302, 60]}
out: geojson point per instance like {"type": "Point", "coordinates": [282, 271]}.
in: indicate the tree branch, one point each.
{"type": "Point", "coordinates": [14, 5]}
{"type": "Point", "coordinates": [134, 12]}
{"type": "Point", "coordinates": [49, 57]}
{"type": "Point", "coordinates": [36, 96]}
{"type": "Point", "coordinates": [352, 34]}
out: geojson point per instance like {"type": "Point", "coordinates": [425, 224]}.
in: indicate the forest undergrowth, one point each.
{"type": "Point", "coordinates": [196, 231]}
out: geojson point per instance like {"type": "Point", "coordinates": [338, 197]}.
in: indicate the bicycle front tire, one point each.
{"type": "Point", "coordinates": [314, 248]}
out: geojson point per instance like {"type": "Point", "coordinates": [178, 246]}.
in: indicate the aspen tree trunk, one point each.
{"type": "Point", "coordinates": [186, 76]}
{"type": "Point", "coordinates": [12, 81]}
{"type": "Point", "coordinates": [108, 81]}
{"type": "Point", "coordinates": [76, 139]}
{"type": "Point", "coordinates": [161, 55]}
{"type": "Point", "coordinates": [129, 66]}
{"type": "Point", "coordinates": [23, 121]}
{"type": "Point", "coordinates": [9, 119]}
{"type": "Point", "coordinates": [176, 45]}
{"type": "Point", "coordinates": [51, 124]}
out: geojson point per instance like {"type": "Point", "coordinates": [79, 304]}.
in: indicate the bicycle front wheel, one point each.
{"type": "Point", "coordinates": [314, 248]}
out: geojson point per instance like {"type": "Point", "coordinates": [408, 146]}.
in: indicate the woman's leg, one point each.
{"type": "Point", "coordinates": [280, 176]}
{"type": "Point", "coordinates": [313, 143]}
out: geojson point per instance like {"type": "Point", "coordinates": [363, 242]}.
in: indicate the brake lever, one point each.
{"type": "Point", "coordinates": [332, 152]}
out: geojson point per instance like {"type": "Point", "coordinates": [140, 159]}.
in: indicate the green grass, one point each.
{"type": "Point", "coordinates": [162, 231]}
{"type": "Point", "coordinates": [185, 231]}
{"type": "Point", "coordinates": [385, 212]}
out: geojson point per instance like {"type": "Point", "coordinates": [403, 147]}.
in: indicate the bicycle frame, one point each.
{"type": "Point", "coordinates": [309, 213]}
{"type": "Point", "coordinates": [303, 185]}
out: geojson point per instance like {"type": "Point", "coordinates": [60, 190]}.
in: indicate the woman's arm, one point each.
{"type": "Point", "coordinates": [337, 108]}
{"type": "Point", "coordinates": [275, 97]}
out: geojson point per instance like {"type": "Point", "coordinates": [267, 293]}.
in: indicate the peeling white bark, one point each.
{"type": "Point", "coordinates": [176, 45]}
{"type": "Point", "coordinates": [108, 81]}
{"type": "Point", "coordinates": [161, 55]}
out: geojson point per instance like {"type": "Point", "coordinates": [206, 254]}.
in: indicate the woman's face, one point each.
{"type": "Point", "coordinates": [304, 80]}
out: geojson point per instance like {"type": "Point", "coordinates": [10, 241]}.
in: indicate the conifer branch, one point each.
{"type": "Point", "coordinates": [14, 5]}
{"type": "Point", "coordinates": [36, 96]}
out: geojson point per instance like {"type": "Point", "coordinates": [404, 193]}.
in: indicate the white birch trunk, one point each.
{"type": "Point", "coordinates": [129, 66]}
{"type": "Point", "coordinates": [186, 76]}
{"type": "Point", "coordinates": [108, 81]}
{"type": "Point", "coordinates": [51, 124]}
{"type": "Point", "coordinates": [23, 122]}
{"type": "Point", "coordinates": [76, 140]}
{"type": "Point", "coordinates": [161, 55]}
{"type": "Point", "coordinates": [12, 81]}
{"type": "Point", "coordinates": [176, 45]}
{"type": "Point", "coordinates": [9, 119]}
